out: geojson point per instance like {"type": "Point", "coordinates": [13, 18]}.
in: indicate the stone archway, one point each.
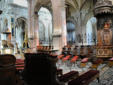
{"type": "Point", "coordinates": [59, 22]}
{"type": "Point", "coordinates": [45, 26]}
{"type": "Point", "coordinates": [20, 31]}
{"type": "Point", "coordinates": [91, 31]}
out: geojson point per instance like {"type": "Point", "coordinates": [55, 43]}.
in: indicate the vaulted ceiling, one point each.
{"type": "Point", "coordinates": [76, 4]}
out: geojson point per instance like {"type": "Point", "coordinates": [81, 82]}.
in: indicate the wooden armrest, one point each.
{"type": "Point", "coordinates": [66, 77]}
{"type": "Point", "coordinates": [85, 78]}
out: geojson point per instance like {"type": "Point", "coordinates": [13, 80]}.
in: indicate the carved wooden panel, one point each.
{"type": "Point", "coordinates": [104, 51]}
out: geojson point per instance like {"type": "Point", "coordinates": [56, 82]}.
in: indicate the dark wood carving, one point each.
{"type": "Point", "coordinates": [104, 13]}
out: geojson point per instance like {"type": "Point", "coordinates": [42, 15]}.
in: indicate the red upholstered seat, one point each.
{"type": "Point", "coordinates": [84, 60]}
{"type": "Point", "coordinates": [66, 58]}
{"type": "Point", "coordinates": [19, 64]}
{"type": "Point", "coordinates": [60, 56]}
{"type": "Point", "coordinates": [19, 61]}
{"type": "Point", "coordinates": [74, 58]}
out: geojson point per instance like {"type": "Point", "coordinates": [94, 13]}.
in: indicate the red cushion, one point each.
{"type": "Point", "coordinates": [20, 68]}
{"type": "Point", "coordinates": [74, 58]}
{"type": "Point", "coordinates": [60, 56]}
{"type": "Point", "coordinates": [84, 60]}
{"type": "Point", "coordinates": [111, 59]}
{"type": "Point", "coordinates": [20, 65]}
{"type": "Point", "coordinates": [66, 58]}
{"type": "Point", "coordinates": [19, 60]}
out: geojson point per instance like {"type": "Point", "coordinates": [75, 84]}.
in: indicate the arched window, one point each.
{"type": "Point", "coordinates": [20, 31]}
{"type": "Point", "coordinates": [70, 32]}
{"type": "Point", "coordinates": [91, 31]}
{"type": "Point", "coordinates": [45, 26]}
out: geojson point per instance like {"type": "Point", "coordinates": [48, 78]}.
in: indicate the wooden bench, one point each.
{"type": "Point", "coordinates": [68, 76]}
{"type": "Point", "coordinates": [96, 63]}
{"type": "Point", "coordinates": [85, 78]}
{"type": "Point", "coordinates": [19, 65]}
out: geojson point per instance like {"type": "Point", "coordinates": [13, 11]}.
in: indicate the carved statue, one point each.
{"type": "Point", "coordinates": [4, 44]}
{"type": "Point", "coordinates": [105, 35]}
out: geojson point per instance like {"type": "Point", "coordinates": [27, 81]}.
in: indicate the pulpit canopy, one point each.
{"type": "Point", "coordinates": [103, 7]}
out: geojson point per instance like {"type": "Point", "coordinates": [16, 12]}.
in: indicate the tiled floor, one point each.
{"type": "Point", "coordinates": [106, 77]}
{"type": "Point", "coordinates": [67, 66]}
{"type": "Point", "coordinates": [106, 73]}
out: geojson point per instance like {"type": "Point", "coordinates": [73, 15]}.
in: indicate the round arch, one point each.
{"type": "Point", "coordinates": [45, 4]}
{"type": "Point", "coordinates": [23, 18]}
{"type": "Point", "coordinates": [21, 31]}
{"type": "Point", "coordinates": [91, 30]}
{"type": "Point", "coordinates": [45, 17]}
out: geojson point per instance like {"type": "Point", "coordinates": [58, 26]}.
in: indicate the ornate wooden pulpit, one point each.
{"type": "Point", "coordinates": [104, 13]}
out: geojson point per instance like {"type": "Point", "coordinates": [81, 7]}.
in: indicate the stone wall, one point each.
{"type": "Point", "coordinates": [11, 11]}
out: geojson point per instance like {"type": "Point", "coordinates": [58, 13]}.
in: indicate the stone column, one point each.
{"type": "Point", "coordinates": [30, 30]}
{"type": "Point", "coordinates": [36, 34]}
{"type": "Point", "coordinates": [31, 25]}
{"type": "Point", "coordinates": [59, 24]}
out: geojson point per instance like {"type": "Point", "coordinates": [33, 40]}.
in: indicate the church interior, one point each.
{"type": "Point", "coordinates": [56, 42]}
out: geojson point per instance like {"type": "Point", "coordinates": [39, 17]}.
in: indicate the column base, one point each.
{"type": "Point", "coordinates": [57, 43]}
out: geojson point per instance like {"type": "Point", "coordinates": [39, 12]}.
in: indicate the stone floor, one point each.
{"type": "Point", "coordinates": [106, 73]}
{"type": "Point", "coordinates": [106, 77]}
{"type": "Point", "coordinates": [67, 66]}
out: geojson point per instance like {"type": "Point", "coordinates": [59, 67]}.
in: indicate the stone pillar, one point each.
{"type": "Point", "coordinates": [32, 26]}
{"type": "Point", "coordinates": [30, 30]}
{"type": "Point", "coordinates": [36, 34]}
{"type": "Point", "coordinates": [59, 24]}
